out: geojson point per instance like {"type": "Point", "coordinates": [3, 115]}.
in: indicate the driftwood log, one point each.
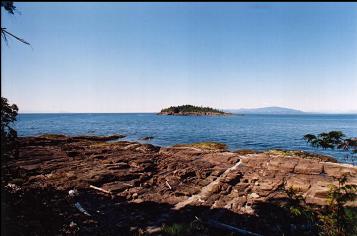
{"type": "Point", "coordinates": [229, 228]}
{"type": "Point", "coordinates": [168, 185]}
{"type": "Point", "coordinates": [99, 189]}
{"type": "Point", "coordinates": [81, 209]}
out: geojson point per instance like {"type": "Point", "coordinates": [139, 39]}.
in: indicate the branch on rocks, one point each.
{"type": "Point", "coordinates": [100, 189]}
{"type": "Point", "coordinates": [81, 209]}
{"type": "Point", "coordinates": [168, 185]}
{"type": "Point", "coordinates": [229, 228]}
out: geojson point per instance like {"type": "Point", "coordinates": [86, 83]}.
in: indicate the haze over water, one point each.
{"type": "Point", "coordinates": [258, 132]}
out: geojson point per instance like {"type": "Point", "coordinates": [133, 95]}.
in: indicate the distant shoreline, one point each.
{"type": "Point", "coordinates": [191, 110]}
{"type": "Point", "coordinates": [194, 114]}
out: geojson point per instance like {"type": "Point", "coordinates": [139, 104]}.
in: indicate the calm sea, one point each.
{"type": "Point", "coordinates": [259, 132]}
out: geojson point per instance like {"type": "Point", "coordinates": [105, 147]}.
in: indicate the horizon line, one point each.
{"type": "Point", "coordinates": [149, 112]}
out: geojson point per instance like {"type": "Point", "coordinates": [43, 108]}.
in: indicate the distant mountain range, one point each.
{"type": "Point", "coordinates": [266, 110]}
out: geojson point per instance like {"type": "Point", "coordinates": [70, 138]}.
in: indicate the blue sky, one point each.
{"type": "Point", "coordinates": [141, 57]}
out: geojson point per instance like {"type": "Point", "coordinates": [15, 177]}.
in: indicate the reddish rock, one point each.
{"type": "Point", "coordinates": [309, 167]}
{"type": "Point", "coordinates": [337, 170]}
{"type": "Point", "coordinates": [172, 176]}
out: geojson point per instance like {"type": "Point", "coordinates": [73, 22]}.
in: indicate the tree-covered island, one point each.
{"type": "Point", "coordinates": [190, 110]}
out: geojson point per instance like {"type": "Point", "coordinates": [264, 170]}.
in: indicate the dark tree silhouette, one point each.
{"type": "Point", "coordinates": [332, 140]}
{"type": "Point", "coordinates": [8, 117]}
{"type": "Point", "coordinates": [10, 8]}
{"type": "Point", "coordinates": [8, 112]}
{"type": "Point", "coordinates": [190, 108]}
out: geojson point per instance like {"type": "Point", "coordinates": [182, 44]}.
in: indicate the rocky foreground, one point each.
{"type": "Point", "coordinates": [127, 187]}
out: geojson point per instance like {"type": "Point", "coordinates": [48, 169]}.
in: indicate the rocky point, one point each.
{"type": "Point", "coordinates": [127, 186]}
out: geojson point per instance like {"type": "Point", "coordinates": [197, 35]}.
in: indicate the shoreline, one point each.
{"type": "Point", "coordinates": [143, 140]}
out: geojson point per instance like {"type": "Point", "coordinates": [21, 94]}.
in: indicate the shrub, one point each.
{"type": "Point", "coordinates": [8, 117]}
{"type": "Point", "coordinates": [337, 219]}
{"type": "Point", "coordinates": [301, 214]}
{"type": "Point", "coordinates": [334, 219]}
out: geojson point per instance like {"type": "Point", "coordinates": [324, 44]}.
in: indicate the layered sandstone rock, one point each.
{"type": "Point", "coordinates": [175, 176]}
{"type": "Point", "coordinates": [125, 168]}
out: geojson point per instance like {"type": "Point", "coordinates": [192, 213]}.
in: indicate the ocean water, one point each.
{"type": "Point", "coordinates": [259, 132]}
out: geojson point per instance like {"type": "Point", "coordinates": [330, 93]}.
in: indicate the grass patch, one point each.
{"type": "Point", "coordinates": [177, 229]}
{"type": "Point", "coordinates": [52, 136]}
{"type": "Point", "coordinates": [246, 151]}
{"type": "Point", "coordinates": [302, 154]}
{"type": "Point", "coordinates": [110, 144]}
{"type": "Point", "coordinates": [101, 144]}
{"type": "Point", "coordinates": [205, 145]}
{"type": "Point", "coordinates": [281, 152]}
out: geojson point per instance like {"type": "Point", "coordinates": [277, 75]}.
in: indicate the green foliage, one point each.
{"type": "Point", "coordinates": [332, 140]}
{"type": "Point", "coordinates": [176, 229]}
{"type": "Point", "coordinates": [8, 6]}
{"type": "Point", "coordinates": [296, 205]}
{"type": "Point", "coordinates": [196, 227]}
{"type": "Point", "coordinates": [335, 219]}
{"type": "Point", "coordinates": [8, 116]}
{"type": "Point", "coordinates": [190, 108]}
{"type": "Point", "coordinates": [205, 145]}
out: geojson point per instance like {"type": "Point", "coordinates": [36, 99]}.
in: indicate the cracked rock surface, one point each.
{"type": "Point", "coordinates": [147, 184]}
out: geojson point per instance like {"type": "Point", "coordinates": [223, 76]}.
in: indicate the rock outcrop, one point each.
{"type": "Point", "coordinates": [174, 178]}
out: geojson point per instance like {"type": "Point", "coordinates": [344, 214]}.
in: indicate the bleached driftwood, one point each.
{"type": "Point", "coordinates": [220, 225]}
{"type": "Point", "coordinates": [100, 189]}
{"type": "Point", "coordinates": [168, 185]}
{"type": "Point", "coordinates": [73, 193]}
{"type": "Point", "coordinates": [81, 209]}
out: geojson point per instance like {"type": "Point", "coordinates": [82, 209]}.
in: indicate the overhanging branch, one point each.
{"type": "Point", "coordinates": [4, 32]}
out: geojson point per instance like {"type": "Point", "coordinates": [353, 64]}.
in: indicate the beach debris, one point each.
{"type": "Point", "coordinates": [13, 187]}
{"type": "Point", "coordinates": [197, 224]}
{"type": "Point", "coordinates": [153, 230]}
{"type": "Point", "coordinates": [73, 193]}
{"type": "Point", "coordinates": [99, 189]}
{"type": "Point", "coordinates": [73, 228]}
{"type": "Point", "coordinates": [168, 185]}
{"type": "Point", "coordinates": [230, 228]}
{"type": "Point", "coordinates": [72, 224]}
{"type": "Point", "coordinates": [81, 209]}
{"type": "Point", "coordinates": [126, 184]}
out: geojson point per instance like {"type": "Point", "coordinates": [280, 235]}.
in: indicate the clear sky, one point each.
{"type": "Point", "coordinates": [141, 57]}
